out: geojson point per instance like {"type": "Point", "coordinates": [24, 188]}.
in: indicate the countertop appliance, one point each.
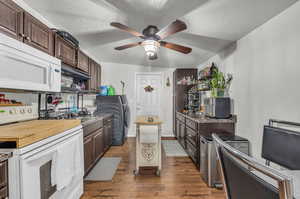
{"type": "Point", "coordinates": [118, 107]}
{"type": "Point", "coordinates": [208, 157]}
{"type": "Point", "coordinates": [10, 114]}
{"type": "Point", "coordinates": [26, 68]}
{"type": "Point", "coordinates": [218, 107]}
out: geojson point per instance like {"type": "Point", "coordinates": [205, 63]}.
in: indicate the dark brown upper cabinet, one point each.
{"type": "Point", "coordinates": [92, 84]}
{"type": "Point", "coordinates": [98, 69]}
{"type": "Point", "coordinates": [65, 51]}
{"type": "Point", "coordinates": [83, 61]}
{"type": "Point", "coordinates": [38, 35]}
{"type": "Point", "coordinates": [11, 19]}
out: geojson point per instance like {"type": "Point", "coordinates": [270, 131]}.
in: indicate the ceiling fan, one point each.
{"type": "Point", "coordinates": [153, 37]}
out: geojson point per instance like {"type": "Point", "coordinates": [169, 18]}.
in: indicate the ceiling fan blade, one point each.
{"type": "Point", "coordinates": [126, 29]}
{"type": "Point", "coordinates": [128, 46]}
{"type": "Point", "coordinates": [172, 28]}
{"type": "Point", "coordinates": [176, 47]}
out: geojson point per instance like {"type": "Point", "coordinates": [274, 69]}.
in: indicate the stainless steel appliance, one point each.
{"type": "Point", "coordinates": [218, 107]}
{"type": "Point", "coordinates": [208, 157]}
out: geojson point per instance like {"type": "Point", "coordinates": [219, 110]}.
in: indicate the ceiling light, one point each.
{"type": "Point", "coordinates": [151, 47]}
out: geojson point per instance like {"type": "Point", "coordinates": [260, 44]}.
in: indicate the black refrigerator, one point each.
{"type": "Point", "coordinates": [118, 106]}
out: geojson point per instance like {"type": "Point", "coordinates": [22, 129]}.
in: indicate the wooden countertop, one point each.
{"type": "Point", "coordinates": [26, 133]}
{"type": "Point", "coordinates": [143, 120]}
{"type": "Point", "coordinates": [206, 120]}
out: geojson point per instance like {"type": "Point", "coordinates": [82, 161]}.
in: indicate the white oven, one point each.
{"type": "Point", "coordinates": [31, 170]}
{"type": "Point", "coordinates": [26, 68]}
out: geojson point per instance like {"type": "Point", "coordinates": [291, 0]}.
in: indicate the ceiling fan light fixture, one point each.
{"type": "Point", "coordinates": [151, 47]}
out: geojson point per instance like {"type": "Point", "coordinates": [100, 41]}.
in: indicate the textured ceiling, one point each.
{"type": "Point", "coordinates": [212, 25]}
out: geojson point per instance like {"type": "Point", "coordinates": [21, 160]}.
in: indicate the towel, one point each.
{"type": "Point", "coordinates": [148, 134]}
{"type": "Point", "coordinates": [66, 164]}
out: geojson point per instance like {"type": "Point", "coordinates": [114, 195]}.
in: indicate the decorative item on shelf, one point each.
{"type": "Point", "coordinates": [123, 87]}
{"type": "Point", "coordinates": [187, 80]}
{"type": "Point", "coordinates": [8, 102]}
{"type": "Point", "coordinates": [203, 85]}
{"type": "Point", "coordinates": [150, 119]}
{"type": "Point", "coordinates": [149, 89]}
{"type": "Point", "coordinates": [207, 72]}
{"type": "Point", "coordinates": [168, 84]}
{"type": "Point", "coordinates": [219, 83]}
{"type": "Point", "coordinates": [111, 91]}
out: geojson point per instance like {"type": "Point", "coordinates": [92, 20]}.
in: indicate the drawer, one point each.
{"type": "Point", "coordinates": [3, 193]}
{"type": "Point", "coordinates": [89, 128]}
{"type": "Point", "coordinates": [191, 151]}
{"type": "Point", "coordinates": [191, 135]}
{"type": "Point", "coordinates": [180, 117]}
{"type": "Point", "coordinates": [190, 123]}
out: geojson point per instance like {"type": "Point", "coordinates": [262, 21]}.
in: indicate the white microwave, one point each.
{"type": "Point", "coordinates": [25, 68]}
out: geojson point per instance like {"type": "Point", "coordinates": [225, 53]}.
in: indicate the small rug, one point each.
{"type": "Point", "coordinates": [104, 170]}
{"type": "Point", "coordinates": [172, 148]}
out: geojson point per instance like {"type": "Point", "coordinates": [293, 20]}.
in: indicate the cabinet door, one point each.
{"type": "Point", "coordinates": [93, 73]}
{"type": "Point", "coordinates": [83, 61]}
{"type": "Point", "coordinates": [98, 71]}
{"type": "Point", "coordinates": [108, 134]}
{"type": "Point", "coordinates": [177, 134]}
{"type": "Point", "coordinates": [11, 19]}
{"type": "Point", "coordinates": [182, 135]}
{"type": "Point", "coordinates": [99, 143]}
{"type": "Point", "coordinates": [38, 35]}
{"type": "Point", "coordinates": [106, 141]}
{"type": "Point", "coordinates": [65, 51]}
{"type": "Point", "coordinates": [89, 152]}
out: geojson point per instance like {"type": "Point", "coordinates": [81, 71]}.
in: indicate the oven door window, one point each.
{"type": "Point", "coordinates": [36, 176]}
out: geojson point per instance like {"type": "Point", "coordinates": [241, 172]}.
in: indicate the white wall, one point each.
{"type": "Point", "coordinates": [113, 73]}
{"type": "Point", "coordinates": [266, 70]}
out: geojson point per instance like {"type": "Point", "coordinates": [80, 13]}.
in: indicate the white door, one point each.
{"type": "Point", "coordinates": [148, 102]}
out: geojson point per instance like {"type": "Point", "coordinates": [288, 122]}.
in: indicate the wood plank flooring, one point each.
{"type": "Point", "coordinates": [179, 180]}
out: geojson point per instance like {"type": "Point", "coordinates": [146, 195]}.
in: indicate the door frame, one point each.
{"type": "Point", "coordinates": [160, 74]}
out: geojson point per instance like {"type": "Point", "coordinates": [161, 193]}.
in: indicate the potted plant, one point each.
{"type": "Point", "coordinates": [219, 83]}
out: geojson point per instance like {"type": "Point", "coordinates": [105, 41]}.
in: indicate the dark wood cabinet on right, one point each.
{"type": "Point", "coordinates": [180, 91]}
{"type": "Point", "coordinates": [189, 129]}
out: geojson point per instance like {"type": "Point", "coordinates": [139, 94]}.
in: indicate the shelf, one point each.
{"type": "Point", "coordinates": [9, 105]}
{"type": "Point", "coordinates": [207, 89]}
{"type": "Point", "coordinates": [72, 90]}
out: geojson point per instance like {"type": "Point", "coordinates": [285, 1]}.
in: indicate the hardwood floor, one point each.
{"type": "Point", "coordinates": [179, 180]}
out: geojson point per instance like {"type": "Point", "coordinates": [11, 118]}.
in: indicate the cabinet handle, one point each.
{"type": "Point", "coordinates": [21, 35]}
{"type": "Point", "coordinates": [28, 38]}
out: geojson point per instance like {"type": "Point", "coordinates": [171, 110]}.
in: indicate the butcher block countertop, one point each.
{"type": "Point", "coordinates": [26, 133]}
{"type": "Point", "coordinates": [143, 120]}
